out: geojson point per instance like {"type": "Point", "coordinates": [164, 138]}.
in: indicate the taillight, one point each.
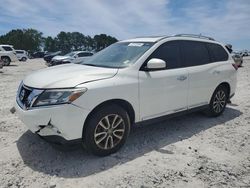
{"type": "Point", "coordinates": [235, 66]}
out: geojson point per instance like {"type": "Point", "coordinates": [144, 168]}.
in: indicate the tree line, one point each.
{"type": "Point", "coordinates": [32, 40]}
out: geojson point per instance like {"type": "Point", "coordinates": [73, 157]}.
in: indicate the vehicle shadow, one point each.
{"type": "Point", "coordinates": [12, 65]}
{"type": "Point", "coordinates": [42, 157]}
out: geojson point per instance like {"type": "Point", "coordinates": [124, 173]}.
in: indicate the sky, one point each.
{"type": "Point", "coordinates": [227, 21]}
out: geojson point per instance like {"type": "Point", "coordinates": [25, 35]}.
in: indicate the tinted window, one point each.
{"type": "Point", "coordinates": [84, 54]}
{"type": "Point", "coordinates": [19, 52]}
{"type": "Point", "coordinates": [194, 53]}
{"type": "Point", "coordinates": [168, 52]}
{"type": "Point", "coordinates": [87, 54]}
{"type": "Point", "coordinates": [7, 48]}
{"type": "Point", "coordinates": [217, 52]}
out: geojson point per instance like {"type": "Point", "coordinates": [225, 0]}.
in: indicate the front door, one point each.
{"type": "Point", "coordinates": [165, 91]}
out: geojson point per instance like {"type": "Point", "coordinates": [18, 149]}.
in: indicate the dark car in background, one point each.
{"type": "Point", "coordinates": [37, 54]}
{"type": "Point", "coordinates": [49, 56]}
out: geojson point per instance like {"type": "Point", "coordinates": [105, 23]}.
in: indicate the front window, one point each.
{"type": "Point", "coordinates": [119, 55]}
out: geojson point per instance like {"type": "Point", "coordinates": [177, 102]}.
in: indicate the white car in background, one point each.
{"type": "Point", "coordinates": [22, 55]}
{"type": "Point", "coordinates": [8, 54]}
{"type": "Point", "coordinates": [72, 57]}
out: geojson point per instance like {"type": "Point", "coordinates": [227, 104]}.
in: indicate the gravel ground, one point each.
{"type": "Point", "coordinates": [190, 151]}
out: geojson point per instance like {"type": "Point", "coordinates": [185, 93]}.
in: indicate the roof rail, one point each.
{"type": "Point", "coordinates": [194, 36]}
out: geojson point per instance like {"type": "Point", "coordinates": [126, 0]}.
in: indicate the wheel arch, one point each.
{"type": "Point", "coordinates": [4, 56]}
{"type": "Point", "coordinates": [227, 85]}
{"type": "Point", "coordinates": [120, 102]}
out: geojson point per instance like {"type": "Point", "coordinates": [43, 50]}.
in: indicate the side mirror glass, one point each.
{"type": "Point", "coordinates": [156, 64]}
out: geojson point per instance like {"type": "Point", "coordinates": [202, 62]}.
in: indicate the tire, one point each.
{"type": "Point", "coordinates": [218, 101]}
{"type": "Point", "coordinates": [106, 130]}
{"type": "Point", "coordinates": [24, 59]}
{"type": "Point", "coordinates": [6, 61]}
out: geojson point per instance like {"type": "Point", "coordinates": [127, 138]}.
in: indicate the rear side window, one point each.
{"type": "Point", "coordinates": [194, 53]}
{"type": "Point", "coordinates": [87, 54]}
{"type": "Point", "coordinates": [7, 48]}
{"type": "Point", "coordinates": [169, 52]}
{"type": "Point", "coordinates": [19, 52]}
{"type": "Point", "coordinates": [84, 54]}
{"type": "Point", "coordinates": [217, 52]}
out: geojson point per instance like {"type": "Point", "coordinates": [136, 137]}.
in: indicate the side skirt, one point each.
{"type": "Point", "coordinates": [166, 117]}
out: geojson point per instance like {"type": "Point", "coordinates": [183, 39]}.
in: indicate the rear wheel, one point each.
{"type": "Point", "coordinates": [106, 130]}
{"type": "Point", "coordinates": [6, 61]}
{"type": "Point", "coordinates": [218, 101]}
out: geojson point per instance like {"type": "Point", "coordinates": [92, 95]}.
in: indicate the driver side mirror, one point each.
{"type": "Point", "coordinates": [155, 64]}
{"type": "Point", "coordinates": [75, 56]}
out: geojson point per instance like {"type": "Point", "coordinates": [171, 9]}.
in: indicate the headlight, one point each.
{"type": "Point", "coordinates": [59, 96]}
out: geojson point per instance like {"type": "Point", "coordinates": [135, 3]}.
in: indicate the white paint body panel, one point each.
{"type": "Point", "coordinates": [151, 94]}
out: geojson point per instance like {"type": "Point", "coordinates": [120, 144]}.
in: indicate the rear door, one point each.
{"type": "Point", "coordinates": [202, 72]}
{"type": "Point", "coordinates": [164, 91]}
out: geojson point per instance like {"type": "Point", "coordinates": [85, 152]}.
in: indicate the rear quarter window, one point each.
{"type": "Point", "coordinates": [217, 52]}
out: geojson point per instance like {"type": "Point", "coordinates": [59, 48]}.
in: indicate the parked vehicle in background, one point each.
{"type": "Point", "coordinates": [72, 57]}
{"type": "Point", "coordinates": [244, 53]}
{"type": "Point", "coordinates": [8, 54]}
{"type": "Point", "coordinates": [38, 54]}
{"type": "Point", "coordinates": [130, 82]}
{"type": "Point", "coordinates": [1, 64]}
{"type": "Point", "coordinates": [237, 58]}
{"type": "Point", "coordinates": [48, 57]}
{"type": "Point", "coordinates": [22, 55]}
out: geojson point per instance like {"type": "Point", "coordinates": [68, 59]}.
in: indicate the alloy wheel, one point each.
{"type": "Point", "coordinates": [109, 131]}
{"type": "Point", "coordinates": [219, 101]}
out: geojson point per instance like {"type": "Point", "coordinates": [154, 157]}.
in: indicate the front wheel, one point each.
{"type": "Point", "coordinates": [106, 130]}
{"type": "Point", "coordinates": [6, 61]}
{"type": "Point", "coordinates": [218, 101]}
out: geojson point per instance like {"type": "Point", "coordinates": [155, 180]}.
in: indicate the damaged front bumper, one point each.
{"type": "Point", "coordinates": [60, 122]}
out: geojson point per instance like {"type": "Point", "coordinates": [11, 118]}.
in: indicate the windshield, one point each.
{"type": "Point", "coordinates": [119, 55]}
{"type": "Point", "coordinates": [71, 54]}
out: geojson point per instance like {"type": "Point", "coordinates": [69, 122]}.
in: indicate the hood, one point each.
{"type": "Point", "coordinates": [67, 76]}
{"type": "Point", "coordinates": [60, 58]}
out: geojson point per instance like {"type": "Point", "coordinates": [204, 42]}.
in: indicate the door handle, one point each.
{"type": "Point", "coordinates": [181, 78]}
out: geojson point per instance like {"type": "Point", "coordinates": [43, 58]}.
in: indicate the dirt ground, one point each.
{"type": "Point", "coordinates": [190, 151]}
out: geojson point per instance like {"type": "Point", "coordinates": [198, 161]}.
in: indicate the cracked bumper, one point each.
{"type": "Point", "coordinates": [65, 121]}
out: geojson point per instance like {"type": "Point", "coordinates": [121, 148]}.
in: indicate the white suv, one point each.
{"type": "Point", "coordinates": [8, 54]}
{"type": "Point", "coordinates": [131, 81]}
{"type": "Point", "coordinates": [22, 55]}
